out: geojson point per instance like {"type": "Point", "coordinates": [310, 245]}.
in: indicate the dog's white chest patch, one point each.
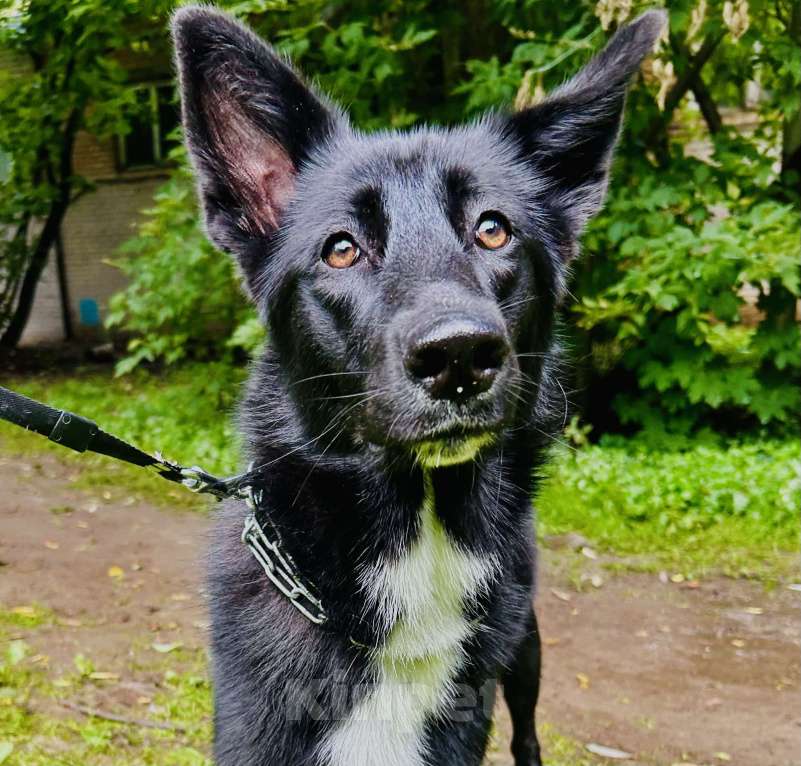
{"type": "Point", "coordinates": [421, 597]}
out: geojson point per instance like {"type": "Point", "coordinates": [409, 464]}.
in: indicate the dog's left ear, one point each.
{"type": "Point", "coordinates": [250, 122]}
{"type": "Point", "coordinates": [570, 136]}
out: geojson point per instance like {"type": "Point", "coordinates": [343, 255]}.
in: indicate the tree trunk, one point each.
{"type": "Point", "coordinates": [709, 109]}
{"type": "Point", "coordinates": [27, 293]}
{"type": "Point", "coordinates": [15, 253]}
{"type": "Point", "coordinates": [657, 135]}
{"type": "Point", "coordinates": [61, 177]}
{"type": "Point", "coordinates": [791, 149]}
{"type": "Point", "coordinates": [63, 287]}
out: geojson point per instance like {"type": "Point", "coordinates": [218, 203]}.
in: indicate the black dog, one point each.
{"type": "Point", "coordinates": [410, 388]}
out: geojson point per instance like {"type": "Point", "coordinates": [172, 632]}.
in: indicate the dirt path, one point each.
{"type": "Point", "coordinates": [672, 673]}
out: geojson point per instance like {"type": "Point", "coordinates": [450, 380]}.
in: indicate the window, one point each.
{"type": "Point", "coordinates": [148, 142]}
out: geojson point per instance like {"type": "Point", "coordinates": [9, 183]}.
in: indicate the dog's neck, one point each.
{"type": "Point", "coordinates": [368, 498]}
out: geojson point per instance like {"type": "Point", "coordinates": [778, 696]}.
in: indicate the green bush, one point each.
{"type": "Point", "coordinates": [691, 285]}
{"type": "Point", "coordinates": [182, 299]}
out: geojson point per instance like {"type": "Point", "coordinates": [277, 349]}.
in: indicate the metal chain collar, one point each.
{"type": "Point", "coordinates": [266, 548]}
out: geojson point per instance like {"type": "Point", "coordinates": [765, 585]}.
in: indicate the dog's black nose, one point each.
{"type": "Point", "coordinates": [457, 359]}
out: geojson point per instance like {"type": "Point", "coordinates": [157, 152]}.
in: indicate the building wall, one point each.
{"type": "Point", "coordinates": [100, 220]}
{"type": "Point", "coordinates": [96, 224]}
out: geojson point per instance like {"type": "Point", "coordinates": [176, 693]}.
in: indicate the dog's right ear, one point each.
{"type": "Point", "coordinates": [250, 122]}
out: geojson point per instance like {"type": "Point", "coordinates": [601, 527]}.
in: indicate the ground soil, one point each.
{"type": "Point", "coordinates": [673, 673]}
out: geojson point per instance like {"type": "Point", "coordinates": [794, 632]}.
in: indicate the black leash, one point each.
{"type": "Point", "coordinates": [259, 534]}
{"type": "Point", "coordinates": [84, 435]}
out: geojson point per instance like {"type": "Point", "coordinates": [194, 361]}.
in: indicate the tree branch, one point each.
{"type": "Point", "coordinates": [694, 66]}
{"type": "Point", "coordinates": [47, 237]}
{"type": "Point", "coordinates": [96, 713]}
{"type": "Point", "coordinates": [709, 109]}
{"type": "Point", "coordinates": [691, 76]}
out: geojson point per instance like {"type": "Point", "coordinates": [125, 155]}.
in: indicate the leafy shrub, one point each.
{"type": "Point", "coordinates": [692, 285]}
{"type": "Point", "coordinates": [182, 299]}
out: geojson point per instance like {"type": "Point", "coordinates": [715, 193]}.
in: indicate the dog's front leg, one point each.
{"type": "Point", "coordinates": [521, 687]}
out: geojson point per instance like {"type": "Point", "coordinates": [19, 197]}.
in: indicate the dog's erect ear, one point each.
{"type": "Point", "coordinates": [570, 136]}
{"type": "Point", "coordinates": [249, 121]}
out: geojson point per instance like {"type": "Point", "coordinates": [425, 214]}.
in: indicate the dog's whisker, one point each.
{"type": "Point", "coordinates": [346, 396]}
{"type": "Point", "coordinates": [557, 440]}
{"type": "Point", "coordinates": [328, 375]}
{"type": "Point", "coordinates": [316, 463]}
{"type": "Point", "coordinates": [331, 425]}
{"type": "Point", "coordinates": [510, 305]}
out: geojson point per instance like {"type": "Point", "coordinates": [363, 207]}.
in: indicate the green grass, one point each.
{"type": "Point", "coordinates": [696, 508]}
{"type": "Point", "coordinates": [36, 729]}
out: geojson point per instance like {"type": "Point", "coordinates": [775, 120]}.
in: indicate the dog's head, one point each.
{"type": "Point", "coordinates": [409, 280]}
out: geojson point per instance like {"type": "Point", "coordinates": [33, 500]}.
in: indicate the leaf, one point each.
{"type": "Point", "coordinates": [83, 665]}
{"type": "Point", "coordinates": [101, 675]}
{"type": "Point", "coordinates": [69, 622]}
{"type": "Point", "coordinates": [583, 680]}
{"type": "Point", "coordinates": [116, 572]}
{"type": "Point", "coordinates": [6, 748]}
{"type": "Point", "coordinates": [25, 611]}
{"type": "Point", "coordinates": [6, 166]}
{"type": "Point", "coordinates": [166, 648]}
{"type": "Point", "coordinates": [17, 651]}
{"type": "Point", "coordinates": [608, 752]}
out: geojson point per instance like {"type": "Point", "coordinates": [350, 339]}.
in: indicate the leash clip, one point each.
{"type": "Point", "coordinates": [198, 480]}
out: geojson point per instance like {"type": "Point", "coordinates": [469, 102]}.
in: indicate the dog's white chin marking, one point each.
{"type": "Point", "coordinates": [421, 597]}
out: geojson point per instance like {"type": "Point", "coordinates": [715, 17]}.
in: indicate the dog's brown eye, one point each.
{"type": "Point", "coordinates": [492, 232]}
{"type": "Point", "coordinates": [341, 252]}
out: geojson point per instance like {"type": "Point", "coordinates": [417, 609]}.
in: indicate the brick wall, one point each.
{"type": "Point", "coordinates": [94, 227]}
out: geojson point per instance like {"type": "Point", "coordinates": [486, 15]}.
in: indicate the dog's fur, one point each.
{"type": "Point", "coordinates": [414, 525]}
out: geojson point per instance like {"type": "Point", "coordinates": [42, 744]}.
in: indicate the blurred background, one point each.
{"type": "Point", "coordinates": [678, 474]}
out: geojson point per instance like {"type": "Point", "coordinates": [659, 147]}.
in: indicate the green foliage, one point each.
{"type": "Point", "coordinates": [182, 298]}
{"type": "Point", "coordinates": [695, 294]}
{"type": "Point", "coordinates": [698, 506]}
{"type": "Point", "coordinates": [61, 74]}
